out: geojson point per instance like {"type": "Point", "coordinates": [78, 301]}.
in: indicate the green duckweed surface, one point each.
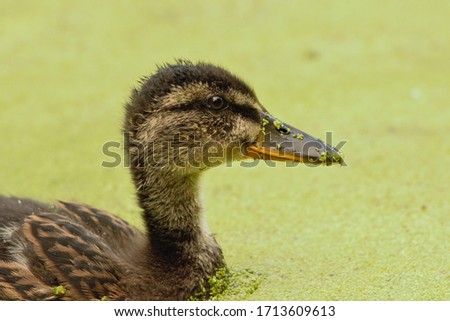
{"type": "Point", "coordinates": [376, 229]}
{"type": "Point", "coordinates": [229, 285]}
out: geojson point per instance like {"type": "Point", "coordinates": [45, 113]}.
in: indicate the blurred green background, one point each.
{"type": "Point", "coordinates": [375, 73]}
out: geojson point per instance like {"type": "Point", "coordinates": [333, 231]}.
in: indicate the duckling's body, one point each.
{"type": "Point", "coordinates": [72, 251]}
{"type": "Point", "coordinates": [93, 254]}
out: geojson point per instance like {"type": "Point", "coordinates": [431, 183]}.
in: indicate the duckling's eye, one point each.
{"type": "Point", "coordinates": [217, 102]}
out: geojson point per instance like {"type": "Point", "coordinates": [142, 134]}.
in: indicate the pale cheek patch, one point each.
{"type": "Point", "coordinates": [243, 129]}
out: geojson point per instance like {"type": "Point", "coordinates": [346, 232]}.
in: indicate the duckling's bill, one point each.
{"type": "Point", "coordinates": [279, 141]}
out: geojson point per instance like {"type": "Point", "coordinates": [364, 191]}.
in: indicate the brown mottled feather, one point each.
{"type": "Point", "coordinates": [17, 282]}
{"type": "Point", "coordinates": [77, 246]}
{"type": "Point", "coordinates": [115, 231]}
{"type": "Point", "coordinates": [81, 261]}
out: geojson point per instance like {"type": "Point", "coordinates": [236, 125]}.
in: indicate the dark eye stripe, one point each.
{"type": "Point", "coordinates": [247, 112]}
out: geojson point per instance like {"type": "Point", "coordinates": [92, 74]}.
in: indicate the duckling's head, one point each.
{"type": "Point", "coordinates": [192, 117]}
{"type": "Point", "coordinates": [188, 117]}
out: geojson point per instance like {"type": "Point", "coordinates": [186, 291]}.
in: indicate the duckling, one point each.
{"type": "Point", "coordinates": [174, 122]}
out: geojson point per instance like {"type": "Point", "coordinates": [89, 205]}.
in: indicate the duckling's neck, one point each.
{"type": "Point", "coordinates": [176, 226]}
